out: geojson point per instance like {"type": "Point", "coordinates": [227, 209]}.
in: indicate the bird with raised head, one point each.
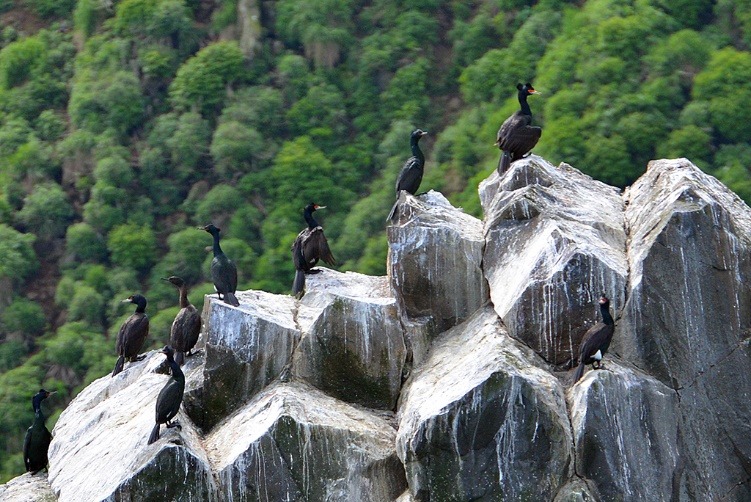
{"type": "Point", "coordinates": [517, 136]}
{"type": "Point", "coordinates": [187, 324]}
{"type": "Point", "coordinates": [38, 438]}
{"type": "Point", "coordinates": [309, 247]}
{"type": "Point", "coordinates": [170, 397]}
{"type": "Point", "coordinates": [132, 334]}
{"type": "Point", "coordinates": [223, 270]}
{"type": "Point", "coordinates": [410, 176]}
{"type": "Point", "coordinates": [596, 340]}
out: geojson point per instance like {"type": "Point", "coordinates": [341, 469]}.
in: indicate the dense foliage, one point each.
{"type": "Point", "coordinates": [126, 124]}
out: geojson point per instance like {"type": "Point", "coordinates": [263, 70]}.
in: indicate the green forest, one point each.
{"type": "Point", "coordinates": [126, 124]}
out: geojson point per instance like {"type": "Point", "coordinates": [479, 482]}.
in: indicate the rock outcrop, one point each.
{"type": "Point", "coordinates": [449, 380]}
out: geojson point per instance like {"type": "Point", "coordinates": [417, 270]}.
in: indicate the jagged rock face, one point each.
{"type": "Point", "coordinates": [247, 347]}
{"type": "Point", "coordinates": [353, 343]}
{"type": "Point", "coordinates": [480, 420]}
{"type": "Point", "coordinates": [435, 260]}
{"type": "Point", "coordinates": [686, 321]}
{"type": "Point", "coordinates": [626, 434]}
{"type": "Point", "coordinates": [27, 488]}
{"type": "Point", "coordinates": [555, 241]}
{"type": "Point", "coordinates": [99, 451]}
{"type": "Point", "coordinates": [293, 442]}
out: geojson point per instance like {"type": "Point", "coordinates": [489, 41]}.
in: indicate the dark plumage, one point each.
{"type": "Point", "coordinates": [223, 270]}
{"type": "Point", "coordinates": [187, 324]}
{"type": "Point", "coordinates": [596, 340]}
{"type": "Point", "coordinates": [38, 438]}
{"type": "Point", "coordinates": [309, 247]}
{"type": "Point", "coordinates": [410, 176]}
{"type": "Point", "coordinates": [517, 137]}
{"type": "Point", "coordinates": [170, 397]}
{"type": "Point", "coordinates": [132, 334]}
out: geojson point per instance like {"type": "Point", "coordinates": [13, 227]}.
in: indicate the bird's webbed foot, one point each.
{"type": "Point", "coordinates": [597, 365]}
{"type": "Point", "coordinates": [138, 358]}
{"type": "Point", "coordinates": [315, 271]}
{"type": "Point", "coordinates": [192, 352]}
{"type": "Point", "coordinates": [174, 423]}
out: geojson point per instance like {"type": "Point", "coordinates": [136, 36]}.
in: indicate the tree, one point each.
{"type": "Point", "coordinates": [132, 246]}
{"type": "Point", "coordinates": [46, 211]}
{"type": "Point", "coordinates": [17, 249]}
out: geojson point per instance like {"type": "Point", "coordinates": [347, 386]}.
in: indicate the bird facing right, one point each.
{"type": "Point", "coordinates": [132, 334]}
{"type": "Point", "coordinates": [517, 136]}
{"type": "Point", "coordinates": [38, 438]}
{"type": "Point", "coordinates": [596, 340]}
{"type": "Point", "coordinates": [410, 176]}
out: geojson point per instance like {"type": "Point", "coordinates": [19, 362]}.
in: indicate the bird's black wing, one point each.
{"type": "Point", "coordinates": [185, 329]}
{"type": "Point", "coordinates": [524, 140]}
{"type": "Point", "coordinates": [224, 274]}
{"type": "Point", "coordinates": [26, 447]}
{"type": "Point", "coordinates": [134, 331]}
{"type": "Point", "coordinates": [511, 124]}
{"type": "Point", "coordinates": [168, 402]}
{"type": "Point", "coordinates": [316, 246]}
{"type": "Point", "coordinates": [410, 176]}
{"type": "Point", "coordinates": [596, 338]}
{"type": "Point", "coordinates": [297, 252]}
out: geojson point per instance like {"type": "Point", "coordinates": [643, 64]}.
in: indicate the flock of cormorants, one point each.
{"type": "Point", "coordinates": [516, 138]}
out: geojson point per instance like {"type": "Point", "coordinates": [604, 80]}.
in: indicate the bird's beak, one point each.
{"type": "Point", "coordinates": [424, 133]}
{"type": "Point", "coordinates": [320, 207]}
{"type": "Point", "coordinates": [51, 392]}
{"type": "Point", "coordinates": [165, 279]}
{"type": "Point", "coordinates": [127, 300]}
{"type": "Point", "coordinates": [535, 92]}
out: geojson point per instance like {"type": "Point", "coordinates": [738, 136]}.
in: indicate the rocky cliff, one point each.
{"type": "Point", "coordinates": [450, 379]}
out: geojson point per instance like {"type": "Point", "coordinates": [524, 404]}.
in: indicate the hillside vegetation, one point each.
{"type": "Point", "coordinates": [126, 124]}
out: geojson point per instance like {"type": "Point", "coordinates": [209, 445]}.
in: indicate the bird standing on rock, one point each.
{"type": "Point", "coordinates": [517, 137]}
{"type": "Point", "coordinates": [187, 324]}
{"type": "Point", "coordinates": [223, 270]}
{"type": "Point", "coordinates": [170, 397]}
{"type": "Point", "coordinates": [410, 176]}
{"type": "Point", "coordinates": [38, 438]}
{"type": "Point", "coordinates": [596, 340]}
{"type": "Point", "coordinates": [132, 334]}
{"type": "Point", "coordinates": [309, 247]}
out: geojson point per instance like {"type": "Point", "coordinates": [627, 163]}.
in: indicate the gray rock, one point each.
{"type": "Point", "coordinates": [555, 241]}
{"type": "Point", "coordinates": [27, 488]}
{"type": "Point", "coordinates": [686, 320]}
{"type": "Point", "coordinates": [247, 347]}
{"type": "Point", "coordinates": [576, 490]}
{"type": "Point", "coordinates": [435, 260]}
{"type": "Point", "coordinates": [481, 419]}
{"type": "Point", "coordinates": [626, 434]}
{"type": "Point", "coordinates": [100, 449]}
{"type": "Point", "coordinates": [292, 442]}
{"type": "Point", "coordinates": [353, 343]}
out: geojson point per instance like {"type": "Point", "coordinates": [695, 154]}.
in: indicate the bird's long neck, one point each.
{"type": "Point", "coordinates": [217, 248]}
{"type": "Point", "coordinates": [177, 373]}
{"type": "Point", "coordinates": [184, 297]}
{"type": "Point", "coordinates": [415, 144]}
{"type": "Point", "coordinates": [525, 109]}
{"type": "Point", "coordinates": [312, 223]}
{"type": "Point", "coordinates": [141, 307]}
{"type": "Point", "coordinates": [606, 317]}
{"type": "Point", "coordinates": [39, 417]}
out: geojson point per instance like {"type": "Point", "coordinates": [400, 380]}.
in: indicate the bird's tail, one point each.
{"type": "Point", "coordinates": [180, 357]}
{"type": "Point", "coordinates": [299, 285]}
{"type": "Point", "coordinates": [579, 372]}
{"type": "Point", "coordinates": [504, 163]}
{"type": "Point", "coordinates": [393, 211]}
{"type": "Point", "coordinates": [154, 434]}
{"type": "Point", "coordinates": [231, 299]}
{"type": "Point", "coordinates": [119, 365]}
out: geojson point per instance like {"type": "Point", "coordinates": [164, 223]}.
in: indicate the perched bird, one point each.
{"type": "Point", "coordinates": [309, 247]}
{"type": "Point", "coordinates": [132, 334]}
{"type": "Point", "coordinates": [517, 137]}
{"type": "Point", "coordinates": [223, 270]}
{"type": "Point", "coordinates": [187, 324]}
{"type": "Point", "coordinates": [596, 340]}
{"type": "Point", "coordinates": [170, 397]}
{"type": "Point", "coordinates": [410, 176]}
{"type": "Point", "coordinates": [37, 440]}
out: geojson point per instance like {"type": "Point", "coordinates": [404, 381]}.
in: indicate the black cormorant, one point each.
{"type": "Point", "coordinates": [170, 397]}
{"type": "Point", "coordinates": [132, 334]}
{"type": "Point", "coordinates": [187, 324]}
{"type": "Point", "coordinates": [596, 340]}
{"type": "Point", "coordinates": [309, 247]}
{"type": "Point", "coordinates": [223, 270]}
{"type": "Point", "coordinates": [410, 176]}
{"type": "Point", "coordinates": [37, 440]}
{"type": "Point", "coordinates": [517, 137]}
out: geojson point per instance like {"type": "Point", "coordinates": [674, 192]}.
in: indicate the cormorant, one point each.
{"type": "Point", "coordinates": [310, 246]}
{"type": "Point", "coordinates": [170, 397]}
{"type": "Point", "coordinates": [517, 137]}
{"type": "Point", "coordinates": [37, 440]}
{"type": "Point", "coordinates": [132, 334]}
{"type": "Point", "coordinates": [596, 340]}
{"type": "Point", "coordinates": [187, 324]}
{"type": "Point", "coordinates": [410, 176]}
{"type": "Point", "coordinates": [223, 270]}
